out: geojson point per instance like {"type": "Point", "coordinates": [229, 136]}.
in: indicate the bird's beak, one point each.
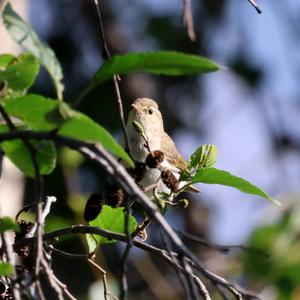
{"type": "Point", "coordinates": [135, 107]}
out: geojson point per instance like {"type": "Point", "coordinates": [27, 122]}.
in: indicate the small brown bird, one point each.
{"type": "Point", "coordinates": [146, 113]}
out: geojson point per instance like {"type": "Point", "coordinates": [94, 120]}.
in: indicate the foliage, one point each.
{"type": "Point", "coordinates": [33, 114]}
{"type": "Point", "coordinates": [112, 219]}
{"type": "Point", "coordinates": [281, 267]}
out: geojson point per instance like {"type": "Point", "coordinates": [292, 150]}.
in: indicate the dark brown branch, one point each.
{"type": "Point", "coordinates": [254, 4]}
{"type": "Point", "coordinates": [221, 248]}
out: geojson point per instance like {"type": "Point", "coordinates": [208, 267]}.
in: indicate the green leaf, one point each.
{"type": "Point", "coordinates": [6, 269]}
{"type": "Point", "coordinates": [216, 176]}
{"type": "Point", "coordinates": [20, 72]}
{"type": "Point", "coordinates": [46, 114]}
{"type": "Point", "coordinates": [112, 219]}
{"type": "Point", "coordinates": [83, 128]}
{"type": "Point", "coordinates": [204, 157]}
{"type": "Point", "coordinates": [160, 62]}
{"type": "Point", "coordinates": [7, 223]}
{"type": "Point", "coordinates": [34, 110]}
{"type": "Point", "coordinates": [19, 154]}
{"type": "Point", "coordinates": [23, 34]}
{"type": "Point", "coordinates": [6, 59]}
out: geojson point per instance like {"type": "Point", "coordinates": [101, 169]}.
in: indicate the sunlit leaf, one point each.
{"type": "Point", "coordinates": [23, 34]}
{"type": "Point", "coordinates": [112, 219]}
{"type": "Point", "coordinates": [6, 269]}
{"type": "Point", "coordinates": [46, 114]}
{"type": "Point", "coordinates": [19, 72]}
{"type": "Point", "coordinates": [216, 176]}
{"type": "Point", "coordinates": [20, 155]}
{"type": "Point", "coordinates": [159, 62]}
{"type": "Point", "coordinates": [204, 157]}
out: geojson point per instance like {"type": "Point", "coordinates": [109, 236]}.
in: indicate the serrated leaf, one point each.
{"type": "Point", "coordinates": [160, 62]}
{"type": "Point", "coordinates": [21, 157]}
{"type": "Point", "coordinates": [46, 114]}
{"type": "Point", "coordinates": [19, 72]}
{"type": "Point", "coordinates": [23, 34]}
{"type": "Point", "coordinates": [216, 176]}
{"type": "Point", "coordinates": [6, 269]}
{"type": "Point", "coordinates": [204, 157]}
{"type": "Point", "coordinates": [7, 223]}
{"type": "Point", "coordinates": [112, 219]}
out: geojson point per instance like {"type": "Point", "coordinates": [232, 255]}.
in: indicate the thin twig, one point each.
{"type": "Point", "coordinates": [187, 18]}
{"type": "Point", "coordinates": [8, 250]}
{"type": "Point", "coordinates": [84, 257]}
{"type": "Point", "coordinates": [125, 256]}
{"type": "Point", "coordinates": [183, 278]}
{"type": "Point", "coordinates": [115, 77]}
{"type": "Point", "coordinates": [50, 276]}
{"type": "Point", "coordinates": [254, 4]}
{"type": "Point", "coordinates": [105, 286]}
{"type": "Point", "coordinates": [221, 248]}
{"type": "Point", "coordinates": [84, 229]}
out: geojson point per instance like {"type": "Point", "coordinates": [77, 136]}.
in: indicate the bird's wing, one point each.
{"type": "Point", "coordinates": [171, 154]}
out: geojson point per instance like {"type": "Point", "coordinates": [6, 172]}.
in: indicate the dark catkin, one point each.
{"type": "Point", "coordinates": [170, 180]}
{"type": "Point", "coordinates": [114, 196]}
{"type": "Point", "coordinates": [93, 207]}
{"type": "Point", "coordinates": [25, 228]}
{"type": "Point", "coordinates": [22, 271]}
{"type": "Point", "coordinates": [154, 159]}
{"type": "Point", "coordinates": [138, 172]}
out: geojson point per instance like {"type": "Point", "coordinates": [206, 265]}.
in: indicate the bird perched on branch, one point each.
{"type": "Point", "coordinates": [150, 144]}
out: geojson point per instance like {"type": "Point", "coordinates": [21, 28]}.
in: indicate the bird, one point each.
{"type": "Point", "coordinates": [150, 138]}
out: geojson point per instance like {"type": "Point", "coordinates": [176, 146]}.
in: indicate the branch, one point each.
{"type": "Point", "coordinates": [115, 170]}
{"type": "Point", "coordinates": [125, 257]}
{"type": "Point", "coordinates": [8, 250]}
{"type": "Point", "coordinates": [107, 55]}
{"type": "Point", "coordinates": [187, 18]}
{"type": "Point", "coordinates": [85, 229]}
{"type": "Point", "coordinates": [221, 248]}
{"type": "Point", "coordinates": [253, 3]}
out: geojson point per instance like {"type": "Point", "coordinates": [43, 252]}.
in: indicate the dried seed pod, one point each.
{"type": "Point", "coordinates": [170, 180]}
{"type": "Point", "coordinates": [138, 172]}
{"type": "Point", "coordinates": [114, 196]}
{"type": "Point", "coordinates": [22, 270]}
{"type": "Point", "coordinates": [25, 228]}
{"type": "Point", "coordinates": [93, 207]}
{"type": "Point", "coordinates": [154, 159]}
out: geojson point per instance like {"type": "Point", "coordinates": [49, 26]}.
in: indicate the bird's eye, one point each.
{"type": "Point", "coordinates": [150, 111]}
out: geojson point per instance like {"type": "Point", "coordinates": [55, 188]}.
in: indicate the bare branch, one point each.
{"type": "Point", "coordinates": [254, 4]}
{"type": "Point", "coordinates": [187, 18]}
{"type": "Point", "coordinates": [221, 248]}
{"type": "Point", "coordinates": [107, 55]}
{"type": "Point", "coordinates": [8, 250]}
{"type": "Point", "coordinates": [114, 169]}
